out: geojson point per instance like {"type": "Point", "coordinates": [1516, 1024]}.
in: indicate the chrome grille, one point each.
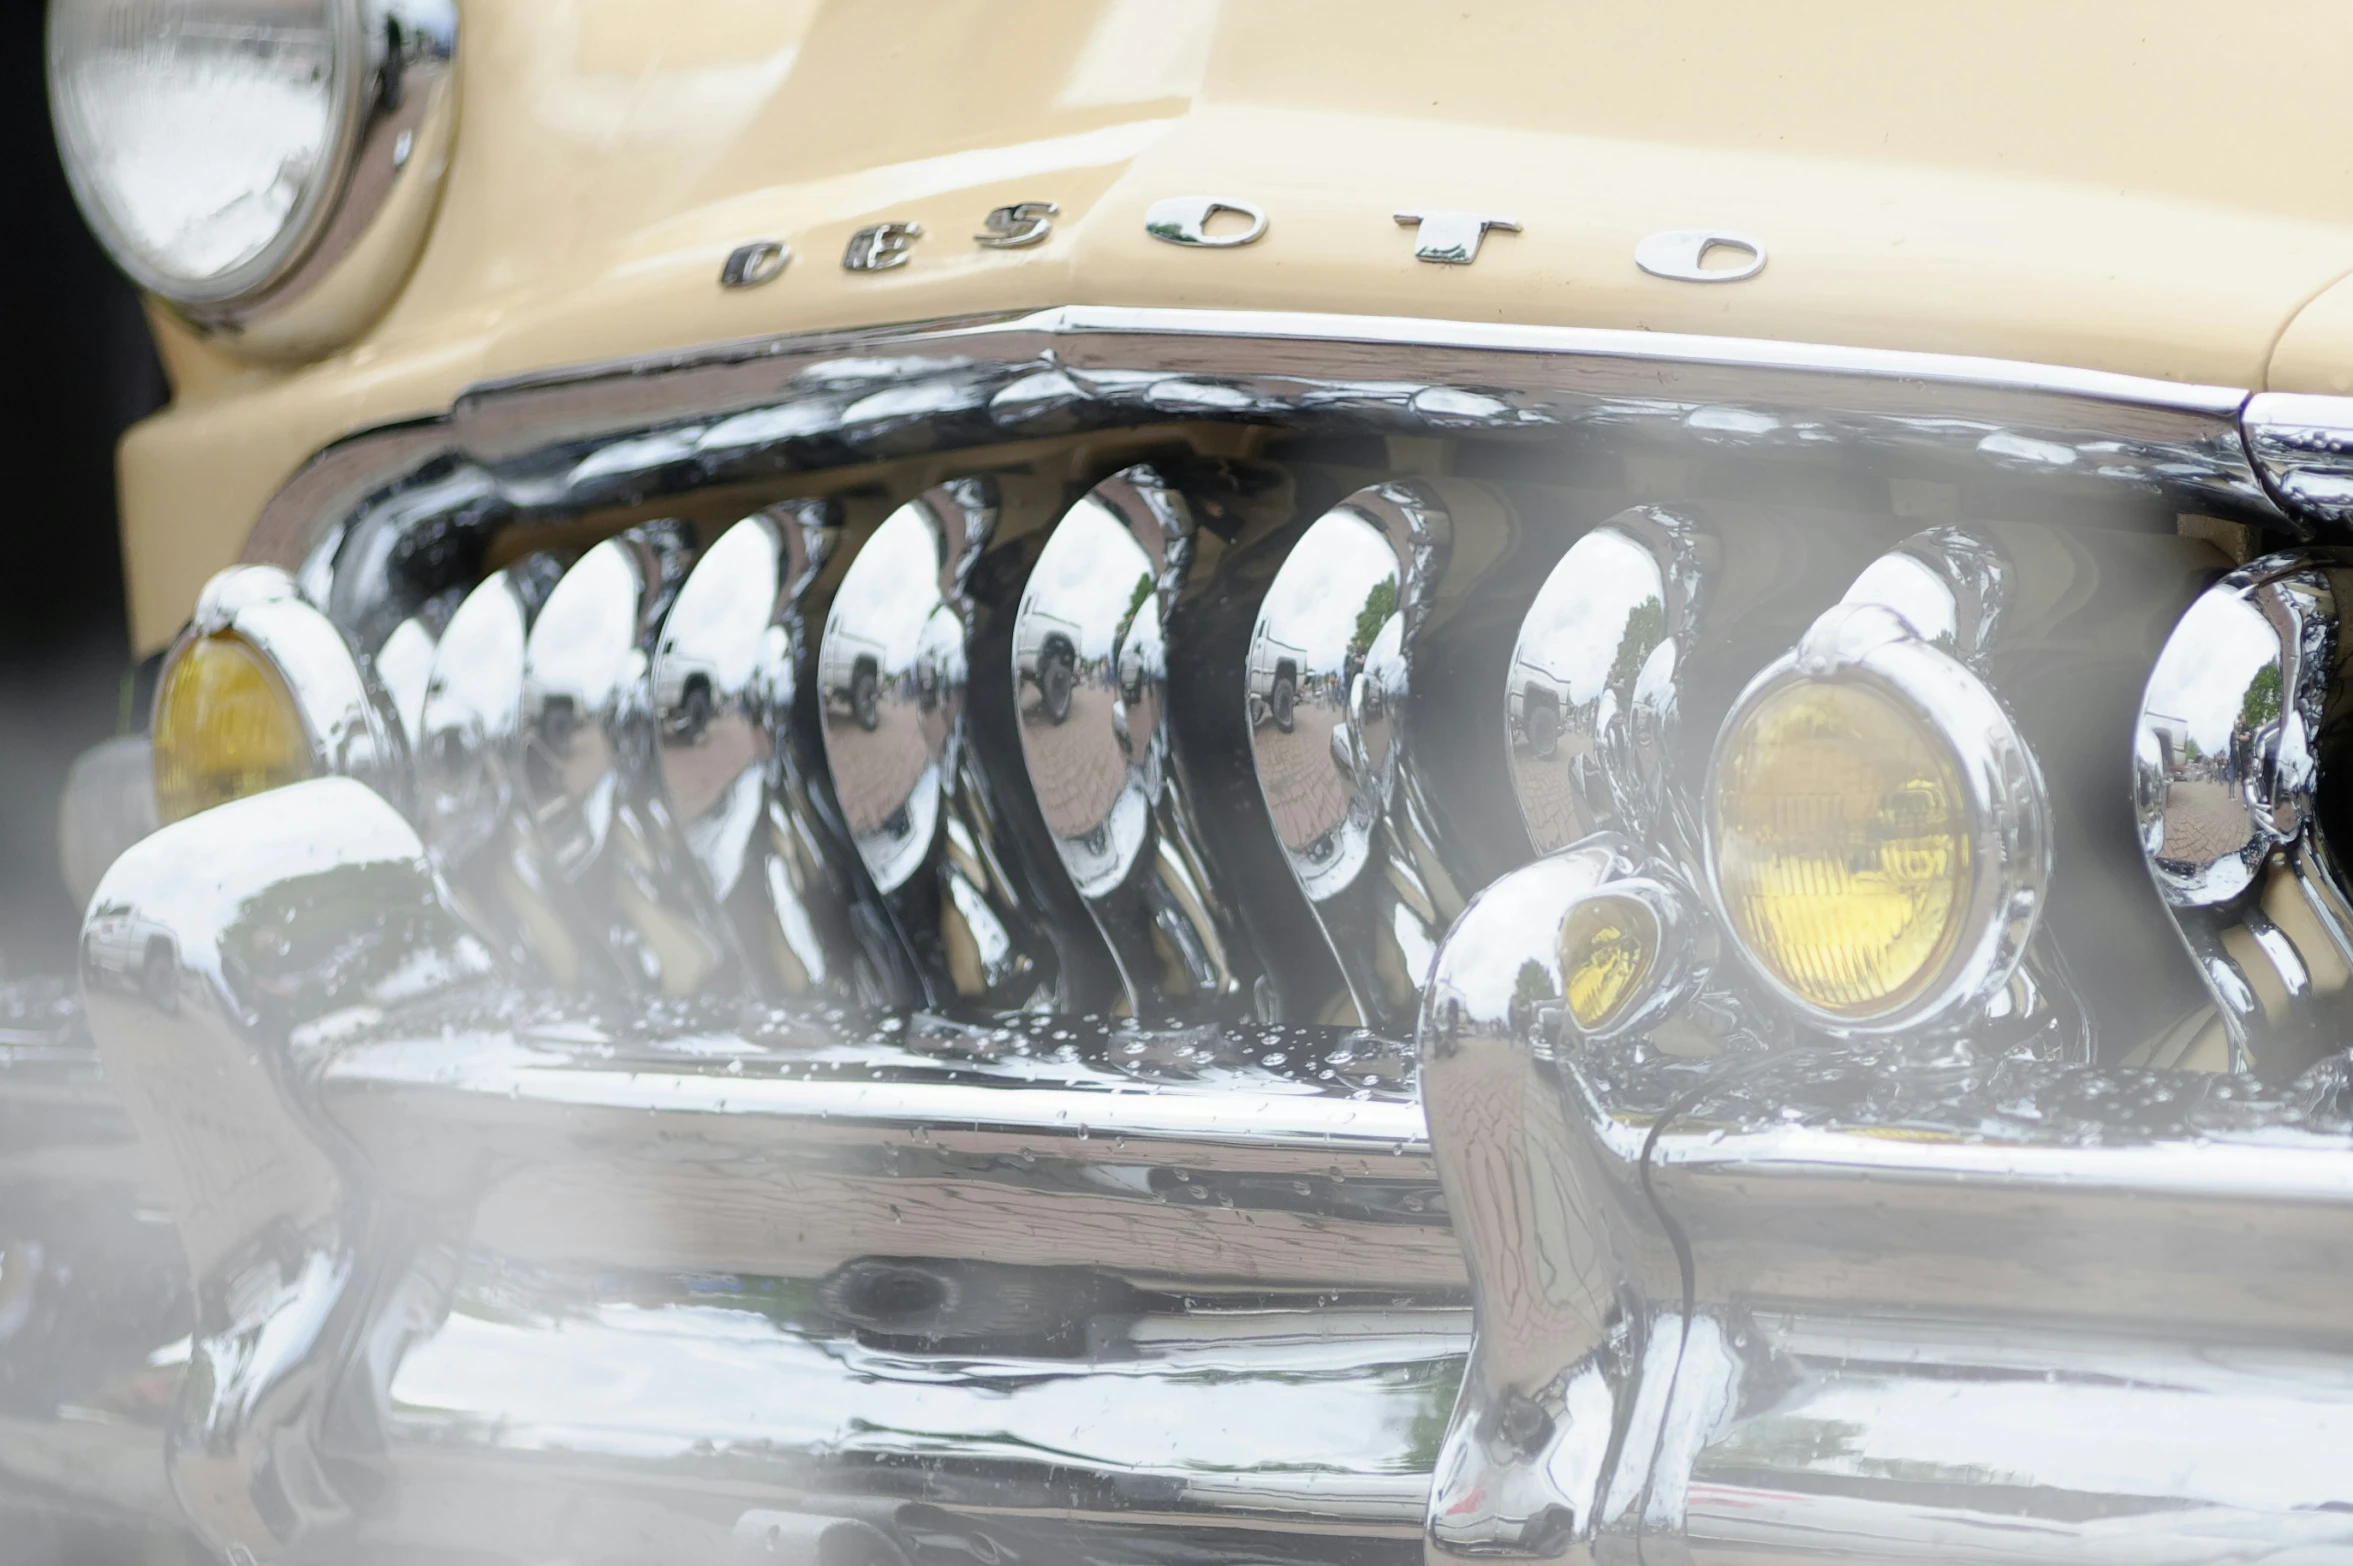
{"type": "Point", "coordinates": [1249, 802]}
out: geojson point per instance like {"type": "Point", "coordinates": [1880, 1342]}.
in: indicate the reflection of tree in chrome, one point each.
{"type": "Point", "coordinates": [1379, 604]}
{"type": "Point", "coordinates": [2261, 704]}
{"type": "Point", "coordinates": [1646, 627]}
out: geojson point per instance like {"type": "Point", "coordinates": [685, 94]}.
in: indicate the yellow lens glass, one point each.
{"type": "Point", "coordinates": [225, 727]}
{"type": "Point", "coordinates": [1607, 948]}
{"type": "Point", "coordinates": [1842, 845]}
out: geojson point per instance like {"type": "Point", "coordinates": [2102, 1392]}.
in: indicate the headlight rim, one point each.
{"type": "Point", "coordinates": [331, 269]}
{"type": "Point", "coordinates": [2006, 811]}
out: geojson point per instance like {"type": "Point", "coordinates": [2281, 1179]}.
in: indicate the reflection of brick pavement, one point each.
{"type": "Point", "coordinates": [1075, 766]}
{"type": "Point", "coordinates": [1304, 791]}
{"type": "Point", "coordinates": [697, 774]}
{"type": "Point", "coordinates": [875, 772]}
{"type": "Point", "coordinates": [1553, 812]}
{"type": "Point", "coordinates": [2203, 820]}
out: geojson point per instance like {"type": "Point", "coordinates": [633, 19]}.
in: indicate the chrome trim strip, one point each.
{"type": "Point", "coordinates": [636, 431]}
{"type": "Point", "coordinates": [2302, 444]}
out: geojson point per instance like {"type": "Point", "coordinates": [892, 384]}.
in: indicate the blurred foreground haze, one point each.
{"type": "Point", "coordinates": [82, 368]}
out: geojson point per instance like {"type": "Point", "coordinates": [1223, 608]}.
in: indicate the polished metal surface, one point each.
{"type": "Point", "coordinates": [1681, 256]}
{"type": "Point", "coordinates": [1184, 220]}
{"type": "Point", "coordinates": [1742, 1288]}
{"type": "Point", "coordinates": [1091, 658]}
{"type": "Point", "coordinates": [2004, 807]}
{"type": "Point", "coordinates": [1592, 709]}
{"type": "Point", "coordinates": [733, 653]}
{"type": "Point", "coordinates": [404, 667]}
{"type": "Point", "coordinates": [621, 882]}
{"type": "Point", "coordinates": [1951, 586]}
{"type": "Point", "coordinates": [469, 762]}
{"type": "Point", "coordinates": [892, 676]}
{"type": "Point", "coordinates": [878, 247]}
{"type": "Point", "coordinates": [347, 720]}
{"type": "Point", "coordinates": [2240, 718]}
{"type": "Point", "coordinates": [1330, 695]}
{"type": "Point", "coordinates": [1869, 1302]}
{"type": "Point", "coordinates": [217, 959]}
{"type": "Point", "coordinates": [797, 403]}
{"type": "Point", "coordinates": [1553, 1439]}
{"type": "Point", "coordinates": [2302, 444]}
{"type": "Point", "coordinates": [1044, 1265]}
{"type": "Point", "coordinates": [1018, 226]}
{"type": "Point", "coordinates": [750, 265]}
{"type": "Point", "coordinates": [1452, 238]}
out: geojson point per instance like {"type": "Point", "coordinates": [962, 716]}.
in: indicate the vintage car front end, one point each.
{"type": "Point", "coordinates": [1149, 781]}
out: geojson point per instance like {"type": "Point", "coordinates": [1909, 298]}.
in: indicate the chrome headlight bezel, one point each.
{"type": "Point", "coordinates": [2004, 805]}
{"type": "Point", "coordinates": [362, 211]}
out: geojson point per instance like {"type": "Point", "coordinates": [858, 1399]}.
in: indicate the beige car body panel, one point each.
{"type": "Point", "coordinates": [2157, 188]}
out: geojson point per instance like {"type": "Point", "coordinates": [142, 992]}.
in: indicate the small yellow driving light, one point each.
{"type": "Point", "coordinates": [225, 727]}
{"type": "Point", "coordinates": [263, 691]}
{"type": "Point", "coordinates": [1875, 828]}
{"type": "Point", "coordinates": [1609, 947]}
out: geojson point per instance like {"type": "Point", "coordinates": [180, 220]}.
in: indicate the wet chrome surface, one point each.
{"type": "Point", "coordinates": [1091, 661]}
{"type": "Point", "coordinates": [1330, 695]}
{"type": "Point", "coordinates": [2239, 720]}
{"type": "Point", "coordinates": [2303, 447]}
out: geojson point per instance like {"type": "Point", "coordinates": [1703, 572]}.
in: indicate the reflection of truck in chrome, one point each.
{"type": "Point", "coordinates": [1045, 657]}
{"type": "Point", "coordinates": [849, 678]}
{"type": "Point", "coordinates": [1272, 682]}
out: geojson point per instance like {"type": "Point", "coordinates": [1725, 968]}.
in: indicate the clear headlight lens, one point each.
{"type": "Point", "coordinates": [225, 726]}
{"type": "Point", "coordinates": [204, 138]}
{"type": "Point", "coordinates": [1842, 845]}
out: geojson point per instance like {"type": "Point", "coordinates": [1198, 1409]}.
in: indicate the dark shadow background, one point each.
{"type": "Point", "coordinates": [79, 356]}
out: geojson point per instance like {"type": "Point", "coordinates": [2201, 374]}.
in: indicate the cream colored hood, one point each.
{"type": "Point", "coordinates": [2158, 188]}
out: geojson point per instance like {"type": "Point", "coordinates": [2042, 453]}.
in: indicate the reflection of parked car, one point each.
{"type": "Point", "coordinates": [1898, 1110]}
{"type": "Point", "coordinates": [1057, 673]}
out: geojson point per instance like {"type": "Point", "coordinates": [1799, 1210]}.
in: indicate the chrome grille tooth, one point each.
{"type": "Point", "coordinates": [621, 904]}
{"type": "Point", "coordinates": [1593, 722]}
{"type": "Point", "coordinates": [467, 753]}
{"type": "Point", "coordinates": [1091, 657]}
{"type": "Point", "coordinates": [728, 665]}
{"type": "Point", "coordinates": [895, 684]}
{"type": "Point", "coordinates": [1329, 701]}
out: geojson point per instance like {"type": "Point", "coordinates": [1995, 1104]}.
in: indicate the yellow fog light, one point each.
{"type": "Point", "coordinates": [225, 727]}
{"type": "Point", "coordinates": [1609, 947]}
{"type": "Point", "coordinates": [263, 691]}
{"type": "Point", "coordinates": [1875, 828]}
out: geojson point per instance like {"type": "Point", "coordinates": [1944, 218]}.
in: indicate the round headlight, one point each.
{"type": "Point", "coordinates": [1875, 828]}
{"type": "Point", "coordinates": [204, 138]}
